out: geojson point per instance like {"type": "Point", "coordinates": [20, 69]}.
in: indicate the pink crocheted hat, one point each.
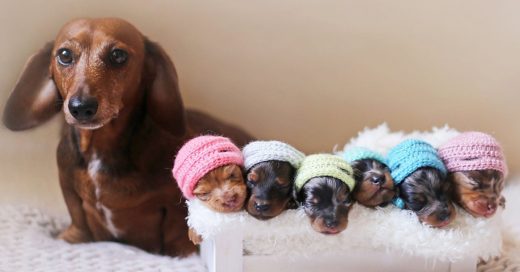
{"type": "Point", "coordinates": [199, 156]}
{"type": "Point", "coordinates": [473, 151]}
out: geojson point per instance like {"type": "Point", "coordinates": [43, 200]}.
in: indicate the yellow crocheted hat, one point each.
{"type": "Point", "coordinates": [324, 165]}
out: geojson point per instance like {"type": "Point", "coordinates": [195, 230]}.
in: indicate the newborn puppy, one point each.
{"type": "Point", "coordinates": [477, 169]}
{"type": "Point", "coordinates": [374, 184]}
{"type": "Point", "coordinates": [420, 176]}
{"type": "Point", "coordinates": [209, 168]}
{"type": "Point", "coordinates": [270, 166]}
{"type": "Point", "coordinates": [323, 186]}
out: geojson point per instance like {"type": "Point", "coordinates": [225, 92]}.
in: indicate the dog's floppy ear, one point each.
{"type": "Point", "coordinates": [34, 98]}
{"type": "Point", "coordinates": [163, 99]}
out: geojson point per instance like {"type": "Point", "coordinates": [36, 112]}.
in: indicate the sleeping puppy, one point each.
{"type": "Point", "coordinates": [374, 184]}
{"type": "Point", "coordinates": [209, 168]}
{"type": "Point", "coordinates": [420, 176]}
{"type": "Point", "coordinates": [477, 170]}
{"type": "Point", "coordinates": [271, 167]}
{"type": "Point", "coordinates": [323, 186]}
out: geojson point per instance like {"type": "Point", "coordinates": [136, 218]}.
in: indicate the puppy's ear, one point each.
{"type": "Point", "coordinates": [34, 98]}
{"type": "Point", "coordinates": [163, 99]}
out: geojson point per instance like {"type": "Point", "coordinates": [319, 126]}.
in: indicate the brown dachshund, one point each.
{"type": "Point", "coordinates": [125, 120]}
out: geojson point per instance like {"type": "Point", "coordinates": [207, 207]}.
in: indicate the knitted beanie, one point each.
{"type": "Point", "coordinates": [410, 155]}
{"type": "Point", "coordinates": [324, 165]}
{"type": "Point", "coordinates": [199, 156]}
{"type": "Point", "coordinates": [358, 153]}
{"type": "Point", "coordinates": [473, 151]}
{"type": "Point", "coordinates": [262, 151]}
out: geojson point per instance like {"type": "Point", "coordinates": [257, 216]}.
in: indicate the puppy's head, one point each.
{"type": "Point", "coordinates": [478, 192]}
{"type": "Point", "coordinates": [270, 185]}
{"type": "Point", "coordinates": [426, 193]}
{"type": "Point", "coordinates": [96, 70]}
{"type": "Point", "coordinates": [327, 202]}
{"type": "Point", "coordinates": [222, 189]}
{"type": "Point", "coordinates": [375, 185]}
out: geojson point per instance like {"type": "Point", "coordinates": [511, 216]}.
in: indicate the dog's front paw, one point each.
{"type": "Point", "coordinates": [74, 235]}
{"type": "Point", "coordinates": [194, 237]}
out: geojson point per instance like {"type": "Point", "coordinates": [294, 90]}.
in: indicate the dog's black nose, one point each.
{"type": "Point", "coordinates": [262, 207]}
{"type": "Point", "coordinates": [444, 215]}
{"type": "Point", "coordinates": [378, 179]}
{"type": "Point", "coordinates": [331, 223]}
{"type": "Point", "coordinates": [83, 109]}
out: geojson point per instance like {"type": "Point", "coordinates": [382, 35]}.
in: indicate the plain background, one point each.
{"type": "Point", "coordinates": [312, 73]}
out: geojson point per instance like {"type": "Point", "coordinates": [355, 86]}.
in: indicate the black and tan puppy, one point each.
{"type": "Point", "coordinates": [271, 167]}
{"type": "Point", "coordinates": [324, 185]}
{"type": "Point", "coordinates": [420, 176]}
{"type": "Point", "coordinates": [374, 184]}
{"type": "Point", "coordinates": [476, 169]}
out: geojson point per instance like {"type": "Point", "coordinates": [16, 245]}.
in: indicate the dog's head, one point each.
{"type": "Point", "coordinates": [222, 189]}
{"type": "Point", "coordinates": [426, 192]}
{"type": "Point", "coordinates": [327, 202]}
{"type": "Point", "coordinates": [478, 192]}
{"type": "Point", "coordinates": [375, 185]}
{"type": "Point", "coordinates": [96, 70]}
{"type": "Point", "coordinates": [270, 185]}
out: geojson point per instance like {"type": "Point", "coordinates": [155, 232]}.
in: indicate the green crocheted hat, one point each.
{"type": "Point", "coordinates": [324, 165]}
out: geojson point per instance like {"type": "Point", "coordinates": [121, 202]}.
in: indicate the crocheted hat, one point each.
{"type": "Point", "coordinates": [410, 155]}
{"type": "Point", "coordinates": [199, 156]}
{"type": "Point", "coordinates": [358, 153]}
{"type": "Point", "coordinates": [261, 151]}
{"type": "Point", "coordinates": [324, 165]}
{"type": "Point", "coordinates": [473, 151]}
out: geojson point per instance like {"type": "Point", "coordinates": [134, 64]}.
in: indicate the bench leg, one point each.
{"type": "Point", "coordinates": [223, 253]}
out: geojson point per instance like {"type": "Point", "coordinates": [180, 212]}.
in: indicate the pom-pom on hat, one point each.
{"type": "Point", "coordinates": [473, 151]}
{"type": "Point", "coordinates": [262, 151]}
{"type": "Point", "coordinates": [410, 155]}
{"type": "Point", "coordinates": [358, 153]}
{"type": "Point", "coordinates": [324, 165]}
{"type": "Point", "coordinates": [199, 156]}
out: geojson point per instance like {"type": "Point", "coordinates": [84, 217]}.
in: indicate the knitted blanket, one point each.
{"type": "Point", "coordinates": [28, 243]}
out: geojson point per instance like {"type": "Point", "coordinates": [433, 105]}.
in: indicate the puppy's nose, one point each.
{"type": "Point", "coordinates": [378, 179]}
{"type": "Point", "coordinates": [331, 223]}
{"type": "Point", "coordinates": [262, 207]}
{"type": "Point", "coordinates": [83, 109]}
{"type": "Point", "coordinates": [444, 215]}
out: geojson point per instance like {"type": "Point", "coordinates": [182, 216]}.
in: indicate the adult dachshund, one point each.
{"type": "Point", "coordinates": [125, 120]}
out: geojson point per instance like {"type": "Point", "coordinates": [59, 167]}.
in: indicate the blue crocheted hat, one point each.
{"type": "Point", "coordinates": [358, 153]}
{"type": "Point", "coordinates": [410, 155]}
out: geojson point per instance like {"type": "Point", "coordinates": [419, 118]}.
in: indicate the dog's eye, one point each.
{"type": "Point", "coordinates": [65, 57]}
{"type": "Point", "coordinates": [118, 56]}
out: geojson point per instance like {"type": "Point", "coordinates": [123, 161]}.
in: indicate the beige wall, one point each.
{"type": "Point", "coordinates": [309, 72]}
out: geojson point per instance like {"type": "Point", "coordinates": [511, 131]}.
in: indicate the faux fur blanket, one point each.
{"type": "Point", "coordinates": [389, 228]}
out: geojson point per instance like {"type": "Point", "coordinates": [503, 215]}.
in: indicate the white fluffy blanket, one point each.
{"type": "Point", "coordinates": [388, 228]}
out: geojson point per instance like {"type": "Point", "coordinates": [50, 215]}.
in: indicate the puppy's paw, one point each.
{"type": "Point", "coordinates": [194, 237]}
{"type": "Point", "coordinates": [74, 235]}
{"type": "Point", "coordinates": [502, 202]}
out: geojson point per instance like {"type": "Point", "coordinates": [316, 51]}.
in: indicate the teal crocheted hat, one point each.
{"type": "Point", "coordinates": [410, 155]}
{"type": "Point", "coordinates": [358, 153]}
